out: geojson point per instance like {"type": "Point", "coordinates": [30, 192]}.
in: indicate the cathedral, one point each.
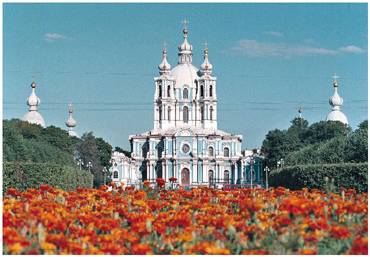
{"type": "Point", "coordinates": [185, 142]}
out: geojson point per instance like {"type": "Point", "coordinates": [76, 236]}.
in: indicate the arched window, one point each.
{"type": "Point", "coordinates": [210, 151]}
{"type": "Point", "coordinates": [211, 113]}
{"type": "Point", "coordinates": [185, 93]}
{"type": "Point", "coordinates": [202, 91]}
{"type": "Point", "coordinates": [226, 152]}
{"type": "Point", "coordinates": [210, 90]}
{"type": "Point", "coordinates": [115, 174]}
{"type": "Point", "coordinates": [210, 176]}
{"type": "Point", "coordinates": [226, 176]}
{"type": "Point", "coordinates": [168, 91]}
{"type": "Point", "coordinates": [202, 113]}
{"type": "Point", "coordinates": [160, 113]}
{"type": "Point", "coordinates": [159, 90]}
{"type": "Point", "coordinates": [185, 114]}
{"type": "Point", "coordinates": [169, 113]}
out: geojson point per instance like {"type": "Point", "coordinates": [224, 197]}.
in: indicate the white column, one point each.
{"type": "Point", "coordinates": [195, 171]}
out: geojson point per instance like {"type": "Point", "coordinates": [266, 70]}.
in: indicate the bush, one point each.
{"type": "Point", "coordinates": [347, 175]}
{"type": "Point", "coordinates": [23, 175]}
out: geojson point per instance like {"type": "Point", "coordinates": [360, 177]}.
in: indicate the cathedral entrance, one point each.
{"type": "Point", "coordinates": [185, 177]}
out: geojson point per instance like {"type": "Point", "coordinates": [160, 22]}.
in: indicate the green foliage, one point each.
{"type": "Point", "coordinates": [25, 142]}
{"type": "Point", "coordinates": [277, 144]}
{"type": "Point", "coordinates": [356, 148]}
{"type": "Point", "coordinates": [104, 152]}
{"type": "Point", "coordinates": [29, 142]}
{"type": "Point", "coordinates": [353, 148]}
{"type": "Point", "coordinates": [322, 142]}
{"type": "Point", "coordinates": [327, 152]}
{"type": "Point", "coordinates": [119, 149]}
{"type": "Point", "coordinates": [325, 130]}
{"type": "Point", "coordinates": [347, 175]}
{"type": "Point", "coordinates": [96, 151]}
{"type": "Point", "coordinates": [23, 175]}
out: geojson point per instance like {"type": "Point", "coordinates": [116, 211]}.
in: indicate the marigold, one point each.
{"type": "Point", "coordinates": [359, 246]}
{"type": "Point", "coordinates": [141, 249]}
{"type": "Point", "coordinates": [340, 232]}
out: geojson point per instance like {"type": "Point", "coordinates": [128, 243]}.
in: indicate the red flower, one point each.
{"type": "Point", "coordinates": [359, 246]}
{"type": "Point", "coordinates": [340, 232]}
{"type": "Point", "coordinates": [13, 192]}
{"type": "Point", "coordinates": [173, 179]}
{"type": "Point", "coordinates": [160, 182]}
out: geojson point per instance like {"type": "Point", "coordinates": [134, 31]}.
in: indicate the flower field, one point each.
{"type": "Point", "coordinates": [198, 221]}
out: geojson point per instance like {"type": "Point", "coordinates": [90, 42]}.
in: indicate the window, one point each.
{"type": "Point", "coordinates": [210, 90]}
{"type": "Point", "coordinates": [185, 114]}
{"type": "Point", "coordinates": [210, 151]}
{"type": "Point", "coordinates": [210, 176]}
{"type": "Point", "coordinates": [168, 91]}
{"type": "Point", "coordinates": [160, 113]}
{"type": "Point", "coordinates": [226, 176]}
{"type": "Point", "coordinates": [226, 152]}
{"type": "Point", "coordinates": [202, 113]}
{"type": "Point", "coordinates": [169, 113]}
{"type": "Point", "coordinates": [185, 148]}
{"type": "Point", "coordinates": [211, 113]}
{"type": "Point", "coordinates": [185, 93]}
{"type": "Point", "coordinates": [115, 174]}
{"type": "Point", "coordinates": [202, 91]}
{"type": "Point", "coordinates": [159, 90]}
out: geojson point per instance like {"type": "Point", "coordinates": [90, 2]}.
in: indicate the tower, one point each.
{"type": "Point", "coordinates": [185, 96]}
{"type": "Point", "coordinates": [71, 123]}
{"type": "Point", "coordinates": [33, 116]}
{"type": "Point", "coordinates": [336, 102]}
{"type": "Point", "coordinates": [164, 97]}
{"type": "Point", "coordinates": [207, 98]}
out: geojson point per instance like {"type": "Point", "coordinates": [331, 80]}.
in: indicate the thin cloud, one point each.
{"type": "Point", "coordinates": [254, 48]}
{"type": "Point", "coordinates": [52, 37]}
{"type": "Point", "coordinates": [274, 33]}
{"type": "Point", "coordinates": [352, 49]}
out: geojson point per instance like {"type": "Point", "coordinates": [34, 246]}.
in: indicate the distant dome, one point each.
{"type": "Point", "coordinates": [71, 122]}
{"type": "Point", "coordinates": [337, 116]}
{"type": "Point", "coordinates": [185, 74]}
{"type": "Point", "coordinates": [336, 102]}
{"type": "Point", "coordinates": [35, 118]}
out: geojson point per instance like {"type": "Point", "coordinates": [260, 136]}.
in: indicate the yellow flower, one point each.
{"type": "Point", "coordinates": [48, 247]}
{"type": "Point", "coordinates": [15, 248]}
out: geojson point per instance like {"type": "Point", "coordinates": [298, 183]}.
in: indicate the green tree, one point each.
{"type": "Point", "coordinates": [119, 149]}
{"type": "Point", "coordinates": [356, 149]}
{"type": "Point", "coordinates": [325, 130]}
{"type": "Point", "coordinates": [276, 145]}
{"type": "Point", "coordinates": [98, 152]}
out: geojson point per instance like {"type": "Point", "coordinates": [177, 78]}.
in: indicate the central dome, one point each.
{"type": "Point", "coordinates": [185, 74]}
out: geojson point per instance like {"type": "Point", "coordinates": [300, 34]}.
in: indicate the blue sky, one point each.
{"type": "Point", "coordinates": [269, 60]}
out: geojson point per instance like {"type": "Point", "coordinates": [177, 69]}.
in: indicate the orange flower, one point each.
{"type": "Point", "coordinates": [146, 183]}
{"type": "Point", "coordinates": [141, 249]}
{"type": "Point", "coordinates": [340, 232]}
{"type": "Point", "coordinates": [307, 252]}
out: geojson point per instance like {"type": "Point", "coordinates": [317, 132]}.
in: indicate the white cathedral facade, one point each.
{"type": "Point", "coordinates": [185, 142]}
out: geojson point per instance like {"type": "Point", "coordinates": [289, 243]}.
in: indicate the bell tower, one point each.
{"type": "Point", "coordinates": [206, 96]}
{"type": "Point", "coordinates": [164, 97]}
